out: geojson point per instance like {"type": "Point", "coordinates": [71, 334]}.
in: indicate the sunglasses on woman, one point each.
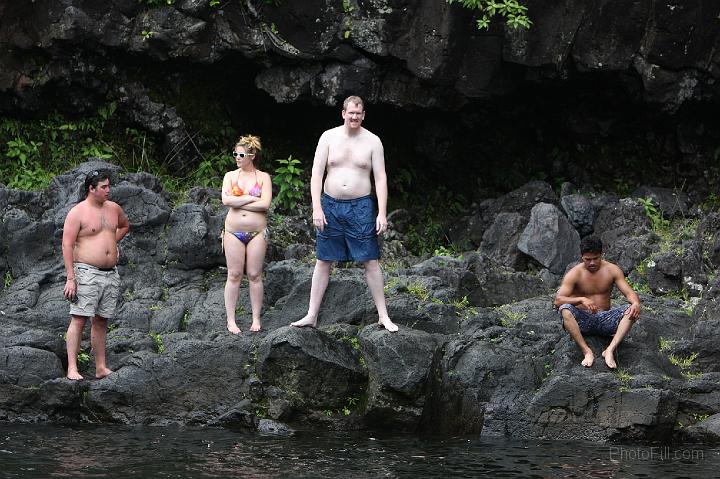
{"type": "Point", "coordinates": [242, 155]}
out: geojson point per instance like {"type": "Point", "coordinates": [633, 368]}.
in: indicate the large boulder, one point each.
{"type": "Point", "coordinates": [309, 370]}
{"type": "Point", "coordinates": [550, 238]}
{"type": "Point", "coordinates": [398, 381]}
{"type": "Point", "coordinates": [580, 212]}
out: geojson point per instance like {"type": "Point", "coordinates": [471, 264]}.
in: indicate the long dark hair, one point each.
{"type": "Point", "coordinates": [92, 179]}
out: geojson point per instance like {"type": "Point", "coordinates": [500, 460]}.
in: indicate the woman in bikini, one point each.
{"type": "Point", "coordinates": [248, 192]}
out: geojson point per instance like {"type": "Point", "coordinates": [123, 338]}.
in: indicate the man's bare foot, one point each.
{"type": "Point", "coordinates": [588, 360]}
{"type": "Point", "coordinates": [255, 326]}
{"type": "Point", "coordinates": [74, 376]}
{"type": "Point", "coordinates": [101, 373]}
{"type": "Point", "coordinates": [388, 324]}
{"type": "Point", "coordinates": [609, 359]}
{"type": "Point", "coordinates": [307, 321]}
{"type": "Point", "coordinates": [232, 327]}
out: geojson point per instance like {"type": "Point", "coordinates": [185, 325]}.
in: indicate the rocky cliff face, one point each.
{"type": "Point", "coordinates": [420, 54]}
{"type": "Point", "coordinates": [584, 72]}
{"type": "Point", "coordinates": [480, 349]}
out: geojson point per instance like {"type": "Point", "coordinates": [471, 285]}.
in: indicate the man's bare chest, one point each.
{"type": "Point", "coordinates": [95, 224]}
{"type": "Point", "coordinates": [349, 156]}
{"type": "Point", "coordinates": [594, 284]}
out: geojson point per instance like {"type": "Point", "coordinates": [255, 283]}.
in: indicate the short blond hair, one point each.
{"type": "Point", "coordinates": [353, 99]}
{"type": "Point", "coordinates": [251, 143]}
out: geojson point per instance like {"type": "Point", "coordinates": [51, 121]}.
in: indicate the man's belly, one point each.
{"type": "Point", "coordinates": [99, 251]}
{"type": "Point", "coordinates": [347, 185]}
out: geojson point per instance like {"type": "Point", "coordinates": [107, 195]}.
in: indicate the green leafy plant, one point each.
{"type": "Point", "coordinates": [288, 176]}
{"type": "Point", "coordinates": [683, 362]}
{"type": "Point", "coordinates": [666, 344]}
{"type": "Point", "coordinates": [419, 290]}
{"type": "Point", "coordinates": [514, 12]}
{"type": "Point", "coordinates": [659, 224]}
{"type": "Point", "coordinates": [509, 315]}
{"type": "Point", "coordinates": [24, 170]}
{"type": "Point", "coordinates": [159, 345]}
{"type": "Point", "coordinates": [463, 308]}
{"type": "Point", "coordinates": [450, 251]}
{"type": "Point", "coordinates": [185, 320]}
{"type": "Point", "coordinates": [83, 358]}
{"type": "Point", "coordinates": [624, 377]}
{"type": "Point", "coordinates": [8, 279]}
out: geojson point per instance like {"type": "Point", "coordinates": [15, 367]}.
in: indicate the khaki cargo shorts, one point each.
{"type": "Point", "coordinates": [97, 291]}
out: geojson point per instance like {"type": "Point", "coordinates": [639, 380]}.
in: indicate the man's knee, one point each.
{"type": "Point", "coordinates": [626, 315]}
{"type": "Point", "coordinates": [323, 265]}
{"type": "Point", "coordinates": [77, 321]}
{"type": "Point", "coordinates": [371, 265]}
{"type": "Point", "coordinates": [568, 317]}
{"type": "Point", "coordinates": [98, 320]}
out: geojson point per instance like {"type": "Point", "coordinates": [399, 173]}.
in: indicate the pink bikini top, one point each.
{"type": "Point", "coordinates": [255, 191]}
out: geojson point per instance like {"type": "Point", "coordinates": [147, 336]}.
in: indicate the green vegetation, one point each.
{"type": "Point", "coordinates": [666, 344]}
{"type": "Point", "coordinates": [430, 207]}
{"type": "Point", "coordinates": [353, 340]}
{"type": "Point", "coordinates": [350, 404]}
{"type": "Point", "coordinates": [463, 308]}
{"type": "Point", "coordinates": [659, 224]}
{"type": "Point", "coordinates": [624, 377]}
{"type": "Point", "coordinates": [391, 284]}
{"type": "Point", "coordinates": [450, 251]}
{"type": "Point", "coordinates": [37, 150]}
{"type": "Point", "coordinates": [159, 345]}
{"type": "Point", "coordinates": [683, 362]}
{"type": "Point", "coordinates": [288, 176]}
{"type": "Point", "coordinates": [419, 290]}
{"type": "Point", "coordinates": [83, 358]}
{"type": "Point", "coordinates": [712, 202]}
{"type": "Point", "coordinates": [509, 316]}
{"type": "Point", "coordinates": [700, 417]}
{"type": "Point", "coordinates": [8, 279]}
{"type": "Point", "coordinates": [513, 12]}
{"type": "Point", "coordinates": [347, 24]}
{"type": "Point", "coordinates": [185, 320]}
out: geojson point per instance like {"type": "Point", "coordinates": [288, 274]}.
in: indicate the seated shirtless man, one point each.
{"type": "Point", "coordinates": [91, 233]}
{"type": "Point", "coordinates": [583, 302]}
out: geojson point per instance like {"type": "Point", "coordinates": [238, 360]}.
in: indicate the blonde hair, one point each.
{"type": "Point", "coordinates": [353, 99]}
{"type": "Point", "coordinates": [251, 143]}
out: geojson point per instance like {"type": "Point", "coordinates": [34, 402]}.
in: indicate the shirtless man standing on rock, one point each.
{"type": "Point", "coordinates": [343, 215]}
{"type": "Point", "coordinates": [583, 302]}
{"type": "Point", "coordinates": [91, 233]}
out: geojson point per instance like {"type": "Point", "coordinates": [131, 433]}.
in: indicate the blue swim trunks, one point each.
{"type": "Point", "coordinates": [603, 323]}
{"type": "Point", "coordinates": [349, 234]}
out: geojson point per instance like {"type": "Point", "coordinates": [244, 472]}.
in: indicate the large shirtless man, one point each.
{"type": "Point", "coordinates": [343, 215]}
{"type": "Point", "coordinates": [91, 233]}
{"type": "Point", "coordinates": [583, 302]}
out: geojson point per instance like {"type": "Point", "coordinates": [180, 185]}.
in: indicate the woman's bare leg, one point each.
{"type": "Point", "coordinates": [254, 267]}
{"type": "Point", "coordinates": [235, 259]}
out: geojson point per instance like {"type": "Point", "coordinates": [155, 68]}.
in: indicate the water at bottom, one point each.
{"type": "Point", "coordinates": [90, 451]}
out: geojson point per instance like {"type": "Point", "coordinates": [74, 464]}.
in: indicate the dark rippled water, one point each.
{"type": "Point", "coordinates": [35, 451]}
